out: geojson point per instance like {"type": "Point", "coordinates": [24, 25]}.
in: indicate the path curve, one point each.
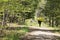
{"type": "Point", "coordinates": [41, 35]}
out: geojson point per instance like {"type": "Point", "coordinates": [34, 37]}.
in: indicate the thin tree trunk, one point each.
{"type": "Point", "coordinates": [49, 21]}
{"type": "Point", "coordinates": [39, 8]}
{"type": "Point", "coordinates": [52, 22]}
{"type": "Point", "coordinates": [3, 22]}
{"type": "Point", "coordinates": [56, 23]}
{"type": "Point", "coordinates": [4, 18]}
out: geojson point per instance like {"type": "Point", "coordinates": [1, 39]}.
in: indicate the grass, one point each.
{"type": "Point", "coordinates": [14, 34]}
{"type": "Point", "coordinates": [55, 28]}
{"type": "Point", "coordinates": [18, 33]}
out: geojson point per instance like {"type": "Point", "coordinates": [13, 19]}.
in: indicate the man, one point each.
{"type": "Point", "coordinates": [40, 20]}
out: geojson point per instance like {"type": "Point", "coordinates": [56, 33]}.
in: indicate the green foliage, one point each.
{"type": "Point", "coordinates": [5, 0]}
{"type": "Point", "coordinates": [14, 34]}
{"type": "Point", "coordinates": [31, 22]}
{"type": "Point", "coordinates": [24, 8]}
{"type": "Point", "coordinates": [51, 10]}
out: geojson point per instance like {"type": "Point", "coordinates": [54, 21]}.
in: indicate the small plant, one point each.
{"type": "Point", "coordinates": [31, 22]}
{"type": "Point", "coordinates": [15, 34]}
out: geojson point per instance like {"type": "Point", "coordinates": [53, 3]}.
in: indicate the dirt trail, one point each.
{"type": "Point", "coordinates": [41, 35]}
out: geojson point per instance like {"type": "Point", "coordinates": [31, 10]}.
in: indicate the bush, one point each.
{"type": "Point", "coordinates": [31, 22]}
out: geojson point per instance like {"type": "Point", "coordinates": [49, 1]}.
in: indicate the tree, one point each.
{"type": "Point", "coordinates": [52, 11]}
{"type": "Point", "coordinates": [20, 9]}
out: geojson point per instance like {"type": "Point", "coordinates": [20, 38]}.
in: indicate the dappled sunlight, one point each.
{"type": "Point", "coordinates": [42, 32]}
{"type": "Point", "coordinates": [29, 19]}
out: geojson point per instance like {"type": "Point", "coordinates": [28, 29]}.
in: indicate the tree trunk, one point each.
{"type": "Point", "coordinates": [52, 22]}
{"type": "Point", "coordinates": [49, 21]}
{"type": "Point", "coordinates": [4, 18]}
{"type": "Point", "coordinates": [56, 23]}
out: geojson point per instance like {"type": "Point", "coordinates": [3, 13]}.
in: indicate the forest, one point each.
{"type": "Point", "coordinates": [17, 11]}
{"type": "Point", "coordinates": [28, 13]}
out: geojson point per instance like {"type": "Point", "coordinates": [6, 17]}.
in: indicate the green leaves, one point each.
{"type": "Point", "coordinates": [52, 9]}
{"type": "Point", "coordinates": [25, 8]}
{"type": "Point", "coordinates": [5, 0]}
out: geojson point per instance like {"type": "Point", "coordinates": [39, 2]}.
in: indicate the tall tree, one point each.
{"type": "Point", "coordinates": [52, 11]}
